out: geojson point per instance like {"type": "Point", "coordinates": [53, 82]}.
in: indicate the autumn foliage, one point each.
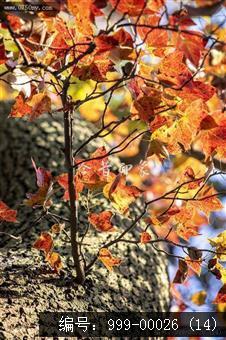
{"type": "Point", "coordinates": [142, 72]}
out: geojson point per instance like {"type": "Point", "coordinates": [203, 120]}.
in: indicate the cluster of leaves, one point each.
{"type": "Point", "coordinates": [135, 69]}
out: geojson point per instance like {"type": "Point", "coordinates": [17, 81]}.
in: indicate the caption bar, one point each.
{"type": "Point", "coordinates": [108, 324]}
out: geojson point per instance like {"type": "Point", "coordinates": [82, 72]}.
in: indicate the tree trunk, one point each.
{"type": "Point", "coordinates": [27, 286]}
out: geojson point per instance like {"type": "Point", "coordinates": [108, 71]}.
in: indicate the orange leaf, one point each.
{"type": "Point", "coordinates": [123, 37]}
{"type": "Point", "coordinates": [194, 265]}
{"type": "Point", "coordinates": [120, 194]}
{"type": "Point", "coordinates": [54, 261]}
{"type": "Point", "coordinates": [132, 7]}
{"type": "Point", "coordinates": [105, 43]}
{"type": "Point", "coordinates": [102, 221]}
{"type": "Point", "coordinates": [96, 7]}
{"type": "Point", "coordinates": [181, 18]}
{"type": "Point", "coordinates": [186, 232]}
{"type": "Point", "coordinates": [20, 108]}
{"type": "Point", "coordinates": [196, 89]}
{"type": "Point", "coordinates": [43, 176]}
{"type": "Point", "coordinates": [173, 211]}
{"type": "Point", "coordinates": [190, 44]}
{"type": "Point", "coordinates": [7, 214]}
{"type": "Point", "coordinates": [45, 184]}
{"type": "Point", "coordinates": [3, 57]}
{"type": "Point", "coordinates": [81, 9]}
{"type": "Point", "coordinates": [216, 269]}
{"type": "Point", "coordinates": [40, 103]}
{"type": "Point", "coordinates": [187, 222]}
{"type": "Point", "coordinates": [63, 182]}
{"type": "Point", "coordinates": [221, 295]}
{"type": "Point", "coordinates": [44, 242]}
{"type": "Point", "coordinates": [187, 89]}
{"type": "Point", "coordinates": [184, 129]}
{"type": "Point", "coordinates": [208, 123]}
{"type": "Point", "coordinates": [146, 104]}
{"type": "Point", "coordinates": [154, 37]}
{"type": "Point", "coordinates": [61, 40]}
{"type": "Point", "coordinates": [207, 201]}
{"type": "Point", "coordinates": [145, 237]}
{"type": "Point", "coordinates": [107, 258]}
{"type": "Point", "coordinates": [96, 68]}
{"type": "Point", "coordinates": [57, 228]}
{"type": "Point", "coordinates": [182, 272]}
{"type": "Point", "coordinates": [172, 70]}
{"type": "Point", "coordinates": [135, 87]}
{"type": "Point", "coordinates": [15, 21]}
{"type": "Point", "coordinates": [94, 173]}
{"type": "Point", "coordinates": [40, 198]}
{"type": "Point", "coordinates": [213, 140]}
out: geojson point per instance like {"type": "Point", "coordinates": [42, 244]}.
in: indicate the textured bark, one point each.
{"type": "Point", "coordinates": [27, 286]}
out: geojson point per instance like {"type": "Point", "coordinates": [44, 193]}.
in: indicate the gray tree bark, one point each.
{"type": "Point", "coordinates": [27, 286]}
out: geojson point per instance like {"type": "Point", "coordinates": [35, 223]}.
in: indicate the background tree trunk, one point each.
{"type": "Point", "coordinates": [27, 286]}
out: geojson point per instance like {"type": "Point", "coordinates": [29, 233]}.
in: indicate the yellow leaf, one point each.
{"type": "Point", "coordinates": [79, 90]}
{"type": "Point", "coordinates": [219, 243]}
{"type": "Point", "coordinates": [93, 109]}
{"type": "Point", "coordinates": [55, 261]}
{"type": "Point", "coordinates": [221, 307]}
{"type": "Point", "coordinates": [222, 271]}
{"type": "Point", "coordinates": [199, 298]}
{"type": "Point", "coordinates": [108, 259]}
{"type": "Point", "coordinates": [182, 162]}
